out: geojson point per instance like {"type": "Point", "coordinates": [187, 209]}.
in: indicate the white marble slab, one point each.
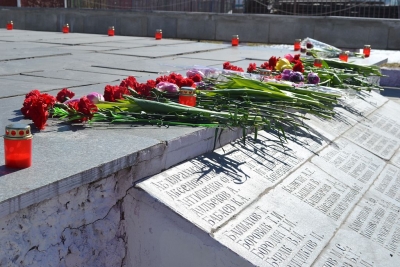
{"type": "Point", "coordinates": [211, 189]}
{"type": "Point", "coordinates": [277, 230]}
{"type": "Point", "coordinates": [374, 140]}
{"type": "Point", "coordinates": [333, 197]}
{"type": "Point", "coordinates": [348, 162]}
{"type": "Point", "coordinates": [369, 237]}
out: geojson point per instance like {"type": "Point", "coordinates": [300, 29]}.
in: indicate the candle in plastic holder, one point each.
{"type": "Point", "coordinates": [344, 56]}
{"type": "Point", "coordinates": [111, 31]}
{"type": "Point", "coordinates": [187, 96]}
{"type": "Point", "coordinates": [318, 63]}
{"type": "Point", "coordinates": [264, 74]}
{"type": "Point", "coordinates": [235, 40]}
{"type": "Point", "coordinates": [10, 25]}
{"type": "Point", "coordinates": [367, 50]}
{"type": "Point", "coordinates": [297, 44]}
{"type": "Point", "coordinates": [65, 28]}
{"type": "Point", "coordinates": [158, 34]}
{"type": "Point", "coordinates": [18, 146]}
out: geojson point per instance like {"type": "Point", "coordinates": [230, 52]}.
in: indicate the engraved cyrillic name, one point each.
{"type": "Point", "coordinates": [374, 140]}
{"type": "Point", "coordinates": [345, 158]}
{"type": "Point", "coordinates": [388, 183]}
{"type": "Point", "coordinates": [273, 238]}
{"type": "Point", "coordinates": [321, 191]}
{"type": "Point", "coordinates": [379, 221]}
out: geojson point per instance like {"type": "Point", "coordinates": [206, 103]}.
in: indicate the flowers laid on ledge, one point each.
{"type": "Point", "coordinates": [277, 94]}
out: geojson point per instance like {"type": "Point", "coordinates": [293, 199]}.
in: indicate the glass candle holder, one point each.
{"type": "Point", "coordinates": [65, 28]}
{"type": "Point", "coordinates": [297, 44]}
{"type": "Point", "coordinates": [187, 96]}
{"type": "Point", "coordinates": [235, 40]}
{"type": "Point", "coordinates": [344, 56]}
{"type": "Point", "coordinates": [111, 31]}
{"type": "Point", "coordinates": [367, 50]}
{"type": "Point", "coordinates": [18, 146]}
{"type": "Point", "coordinates": [10, 25]}
{"type": "Point", "coordinates": [158, 34]}
{"type": "Point", "coordinates": [265, 74]}
{"type": "Point", "coordinates": [318, 63]}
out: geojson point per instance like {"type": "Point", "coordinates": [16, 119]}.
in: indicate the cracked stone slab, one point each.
{"type": "Point", "coordinates": [211, 189]}
{"type": "Point", "coordinates": [169, 50]}
{"type": "Point", "coordinates": [369, 236]}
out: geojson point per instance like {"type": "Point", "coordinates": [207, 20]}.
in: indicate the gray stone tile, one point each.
{"type": "Point", "coordinates": [170, 50]}
{"type": "Point", "coordinates": [156, 65]}
{"type": "Point", "coordinates": [76, 76]}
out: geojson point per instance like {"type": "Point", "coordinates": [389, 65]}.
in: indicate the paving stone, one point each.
{"type": "Point", "coordinates": [87, 77]}
{"type": "Point", "coordinates": [170, 50]}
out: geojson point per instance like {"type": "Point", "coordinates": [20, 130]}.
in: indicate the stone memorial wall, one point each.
{"type": "Point", "coordinates": [329, 196]}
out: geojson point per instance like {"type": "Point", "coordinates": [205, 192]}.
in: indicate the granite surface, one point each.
{"type": "Point", "coordinates": [322, 174]}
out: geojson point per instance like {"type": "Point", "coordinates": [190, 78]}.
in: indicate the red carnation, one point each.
{"type": "Point", "coordinates": [86, 107]}
{"type": "Point", "coordinates": [196, 78]}
{"type": "Point", "coordinates": [162, 78]}
{"type": "Point", "coordinates": [129, 82]}
{"type": "Point", "coordinates": [265, 65]}
{"type": "Point", "coordinates": [113, 93]}
{"type": "Point", "coordinates": [64, 95]}
{"type": "Point", "coordinates": [36, 106]}
{"type": "Point", "coordinates": [272, 62]}
{"type": "Point", "coordinates": [226, 65]}
{"type": "Point", "coordinates": [298, 67]}
{"type": "Point", "coordinates": [252, 67]}
{"type": "Point", "coordinates": [296, 58]}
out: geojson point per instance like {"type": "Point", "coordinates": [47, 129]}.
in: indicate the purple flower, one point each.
{"type": "Point", "coordinates": [296, 77]}
{"type": "Point", "coordinates": [313, 78]}
{"type": "Point", "coordinates": [167, 87]}
{"type": "Point", "coordinates": [95, 97]}
{"type": "Point", "coordinates": [286, 74]}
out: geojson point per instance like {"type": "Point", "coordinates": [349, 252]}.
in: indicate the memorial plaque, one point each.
{"type": "Point", "coordinates": [388, 184]}
{"type": "Point", "coordinates": [396, 159]}
{"type": "Point", "coordinates": [369, 237]}
{"type": "Point", "coordinates": [277, 230]}
{"type": "Point", "coordinates": [212, 188]}
{"type": "Point", "coordinates": [325, 194]}
{"type": "Point", "coordinates": [349, 163]}
{"type": "Point", "coordinates": [386, 119]}
{"type": "Point", "coordinates": [374, 139]}
{"type": "Point", "coordinates": [364, 102]}
{"type": "Point", "coordinates": [332, 128]}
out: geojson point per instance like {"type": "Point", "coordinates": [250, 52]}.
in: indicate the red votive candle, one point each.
{"type": "Point", "coordinates": [297, 44]}
{"type": "Point", "coordinates": [187, 96]}
{"type": "Point", "coordinates": [235, 40]}
{"type": "Point", "coordinates": [65, 28]}
{"type": "Point", "coordinates": [18, 146]}
{"type": "Point", "coordinates": [344, 56]}
{"type": "Point", "coordinates": [158, 34]}
{"type": "Point", "coordinates": [10, 25]}
{"type": "Point", "coordinates": [318, 63]}
{"type": "Point", "coordinates": [111, 31]}
{"type": "Point", "coordinates": [367, 50]}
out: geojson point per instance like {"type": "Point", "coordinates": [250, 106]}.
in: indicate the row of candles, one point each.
{"type": "Point", "coordinates": [343, 56]}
